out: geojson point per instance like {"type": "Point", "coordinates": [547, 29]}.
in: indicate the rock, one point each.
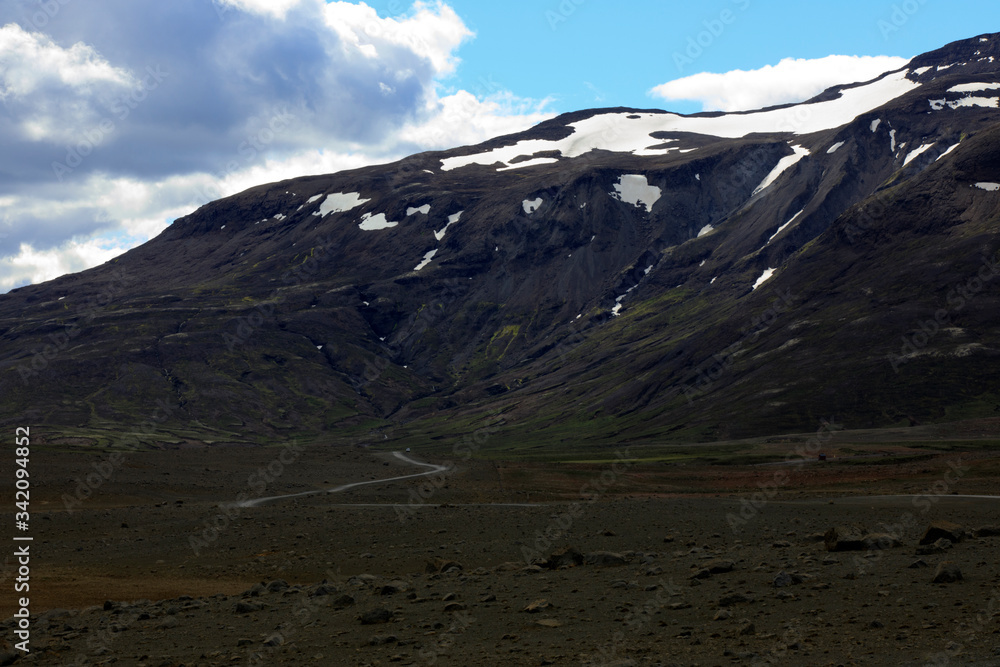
{"type": "Point", "coordinates": [393, 587]}
{"type": "Point", "coordinates": [719, 566]}
{"type": "Point", "coordinates": [344, 600]}
{"type": "Point", "coordinates": [781, 580]}
{"type": "Point", "coordinates": [442, 565]}
{"type": "Point", "coordinates": [669, 538]}
{"type": "Point", "coordinates": [987, 531]}
{"type": "Point", "coordinates": [244, 642]}
{"type": "Point", "coordinates": [244, 607]}
{"type": "Point", "coordinates": [947, 572]}
{"type": "Point", "coordinates": [168, 623]}
{"type": "Point", "coordinates": [722, 615]}
{"type": "Point", "coordinates": [876, 625]}
{"type": "Point", "coordinates": [9, 657]}
{"type": "Point", "coordinates": [537, 606]}
{"type": "Point", "coordinates": [917, 564]}
{"type": "Point", "coordinates": [939, 547]}
{"type": "Point", "coordinates": [375, 616]}
{"type": "Point", "coordinates": [567, 557]}
{"type": "Point", "coordinates": [455, 606]}
{"type": "Point", "coordinates": [382, 640]}
{"type": "Point", "coordinates": [748, 628]}
{"type": "Point", "coordinates": [781, 544]}
{"type": "Point", "coordinates": [605, 559]}
{"type": "Point", "coordinates": [274, 640]}
{"type": "Point", "coordinates": [323, 589]}
{"type": "Point", "coordinates": [654, 571]}
{"type": "Point", "coordinates": [277, 586]}
{"type": "Point", "coordinates": [549, 623]}
{"type": "Point", "coordinates": [881, 541]}
{"type": "Point", "coordinates": [488, 598]}
{"type": "Point", "coordinates": [946, 529]}
{"type": "Point", "coordinates": [845, 538]}
{"type": "Point", "coordinates": [254, 591]}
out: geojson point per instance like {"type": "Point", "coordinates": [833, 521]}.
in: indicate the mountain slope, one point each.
{"type": "Point", "coordinates": [609, 274]}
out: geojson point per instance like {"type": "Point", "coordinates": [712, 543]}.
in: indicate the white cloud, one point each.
{"type": "Point", "coordinates": [431, 31]}
{"type": "Point", "coordinates": [357, 90]}
{"type": "Point", "coordinates": [791, 80]}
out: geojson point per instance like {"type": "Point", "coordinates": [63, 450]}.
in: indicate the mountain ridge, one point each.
{"type": "Point", "coordinates": [576, 295]}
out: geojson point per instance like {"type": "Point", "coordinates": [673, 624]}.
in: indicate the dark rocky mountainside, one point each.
{"type": "Point", "coordinates": [608, 275]}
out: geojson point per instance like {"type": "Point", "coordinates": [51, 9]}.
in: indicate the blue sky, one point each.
{"type": "Point", "coordinates": [118, 117]}
{"type": "Point", "coordinates": [623, 49]}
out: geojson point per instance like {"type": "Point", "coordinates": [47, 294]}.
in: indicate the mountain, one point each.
{"type": "Point", "coordinates": [608, 275]}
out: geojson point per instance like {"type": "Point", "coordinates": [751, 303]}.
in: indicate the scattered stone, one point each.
{"type": "Point", "coordinates": [442, 565]}
{"type": "Point", "coordinates": [455, 606]}
{"type": "Point", "coordinates": [254, 591]}
{"type": "Point", "coordinates": [669, 538]}
{"type": "Point", "coordinates": [947, 572]}
{"type": "Point", "coordinates": [781, 544]}
{"type": "Point", "coordinates": [244, 642]}
{"type": "Point", "coordinates": [393, 587]}
{"type": "Point", "coordinates": [747, 628]}
{"type": "Point", "coordinates": [605, 559]}
{"type": "Point", "coordinates": [987, 531]}
{"type": "Point", "coordinates": [919, 563]}
{"type": "Point", "coordinates": [243, 607]}
{"type": "Point", "coordinates": [277, 586]}
{"type": "Point", "coordinates": [274, 640]}
{"type": "Point", "coordinates": [881, 541]}
{"type": "Point", "coordinates": [677, 606]}
{"type": "Point", "coordinates": [876, 625]}
{"type": "Point", "coordinates": [567, 557]}
{"type": "Point", "coordinates": [654, 571]}
{"type": "Point", "coordinates": [939, 547]}
{"type": "Point", "coordinates": [537, 606]}
{"type": "Point", "coordinates": [323, 589]}
{"type": "Point", "coordinates": [845, 538]}
{"type": "Point", "coordinates": [722, 615]}
{"type": "Point", "coordinates": [488, 598]}
{"type": "Point", "coordinates": [344, 600]}
{"type": "Point", "coordinates": [375, 616]}
{"type": "Point", "coordinates": [168, 623]}
{"type": "Point", "coordinates": [382, 640]}
{"type": "Point", "coordinates": [784, 579]}
{"type": "Point", "coordinates": [946, 529]}
{"type": "Point", "coordinates": [549, 623]}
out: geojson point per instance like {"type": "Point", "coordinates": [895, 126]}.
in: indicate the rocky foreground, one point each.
{"type": "Point", "coordinates": [628, 582]}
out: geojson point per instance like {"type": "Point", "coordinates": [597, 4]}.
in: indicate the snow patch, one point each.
{"type": "Point", "coordinates": [875, 124]}
{"type": "Point", "coordinates": [370, 223]}
{"type": "Point", "coordinates": [989, 187]}
{"type": "Point", "coordinates": [312, 199]}
{"type": "Point", "coordinates": [452, 219]}
{"type": "Point", "coordinates": [783, 164]}
{"type": "Point", "coordinates": [991, 102]}
{"type": "Point", "coordinates": [529, 163]}
{"type": "Point", "coordinates": [946, 152]}
{"type": "Point", "coordinates": [921, 70]}
{"type": "Point", "coordinates": [764, 277]}
{"type": "Point", "coordinates": [279, 216]}
{"type": "Point", "coordinates": [697, 177]}
{"type": "Point", "coordinates": [707, 229]}
{"type": "Point", "coordinates": [914, 154]}
{"type": "Point", "coordinates": [892, 139]}
{"type": "Point", "coordinates": [340, 202]}
{"type": "Point", "coordinates": [712, 281]}
{"type": "Point", "coordinates": [833, 148]}
{"type": "Point", "coordinates": [783, 227]}
{"type": "Point", "coordinates": [635, 189]}
{"type": "Point", "coordinates": [531, 205]}
{"type": "Point", "coordinates": [222, 227]}
{"type": "Point", "coordinates": [425, 209]}
{"type": "Point", "coordinates": [427, 260]}
{"type": "Point", "coordinates": [617, 132]}
{"type": "Point", "coordinates": [648, 269]}
{"type": "Point", "coordinates": [973, 87]}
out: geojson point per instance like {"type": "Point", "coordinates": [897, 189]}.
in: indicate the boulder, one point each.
{"type": "Point", "coordinates": [845, 538]}
{"type": "Point", "coordinates": [881, 541]}
{"type": "Point", "coordinates": [946, 529]}
{"type": "Point", "coordinates": [566, 557]}
{"type": "Point", "coordinates": [947, 572]}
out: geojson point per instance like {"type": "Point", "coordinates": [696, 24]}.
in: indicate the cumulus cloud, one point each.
{"type": "Point", "coordinates": [791, 80]}
{"type": "Point", "coordinates": [116, 122]}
